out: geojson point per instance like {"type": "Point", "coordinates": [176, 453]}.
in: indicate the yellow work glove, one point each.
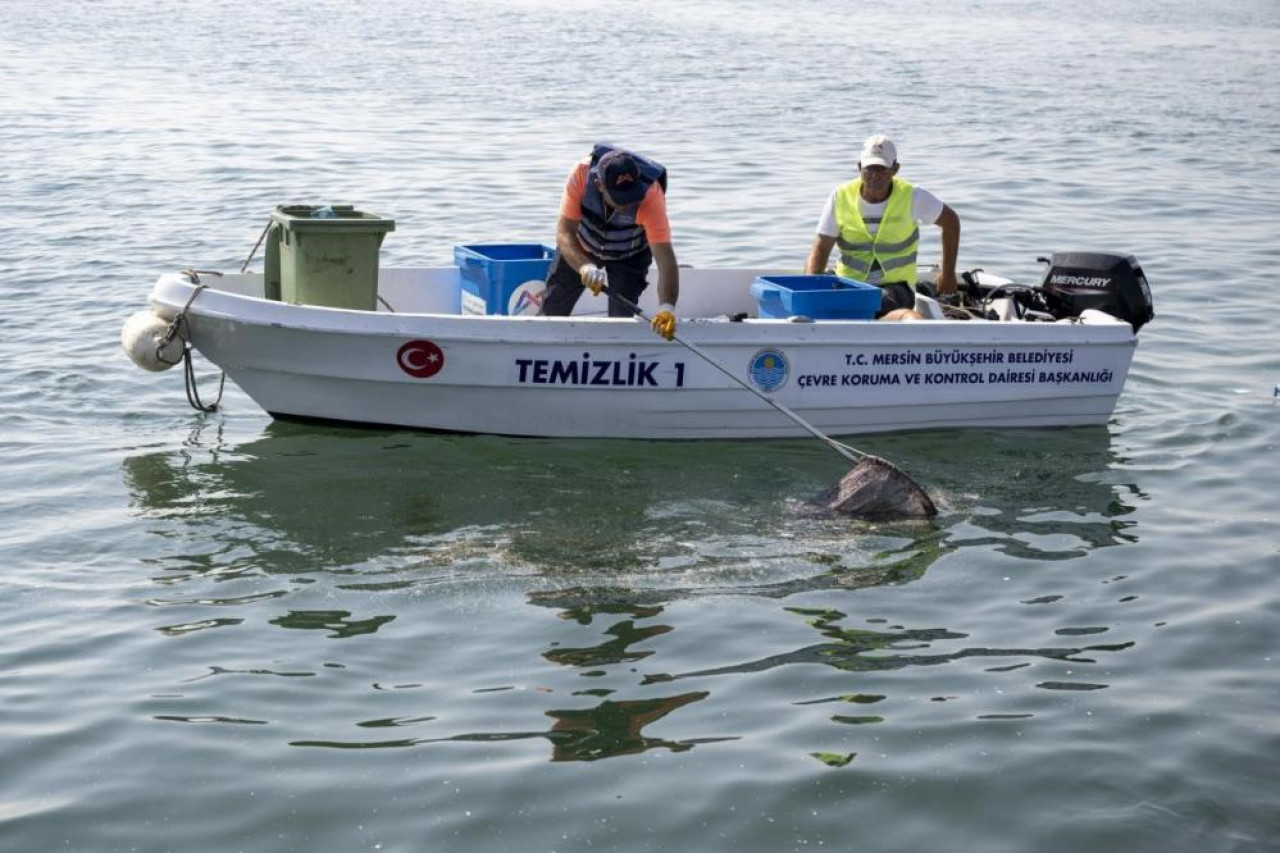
{"type": "Point", "coordinates": [664, 322]}
{"type": "Point", "coordinates": [593, 278]}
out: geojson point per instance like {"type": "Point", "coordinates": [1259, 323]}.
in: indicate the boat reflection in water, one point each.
{"type": "Point", "coordinates": [607, 535]}
{"type": "Point", "coordinates": [1039, 494]}
{"type": "Point", "coordinates": [307, 497]}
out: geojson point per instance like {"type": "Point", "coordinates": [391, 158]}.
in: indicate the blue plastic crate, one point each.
{"type": "Point", "coordinates": [821, 297]}
{"type": "Point", "coordinates": [501, 278]}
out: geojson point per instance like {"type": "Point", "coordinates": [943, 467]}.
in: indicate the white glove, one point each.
{"type": "Point", "coordinates": [593, 278]}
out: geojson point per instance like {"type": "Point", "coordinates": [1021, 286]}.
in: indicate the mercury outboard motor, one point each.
{"type": "Point", "coordinates": [1113, 284]}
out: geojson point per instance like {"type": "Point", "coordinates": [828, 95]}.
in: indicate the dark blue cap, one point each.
{"type": "Point", "coordinates": [620, 176]}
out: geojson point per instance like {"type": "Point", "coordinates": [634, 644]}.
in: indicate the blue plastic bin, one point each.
{"type": "Point", "coordinates": [492, 273]}
{"type": "Point", "coordinates": [821, 297]}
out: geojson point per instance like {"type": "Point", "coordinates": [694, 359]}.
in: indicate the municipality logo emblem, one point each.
{"type": "Point", "coordinates": [769, 369]}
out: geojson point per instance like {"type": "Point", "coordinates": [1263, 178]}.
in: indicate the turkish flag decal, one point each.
{"type": "Point", "coordinates": [420, 358]}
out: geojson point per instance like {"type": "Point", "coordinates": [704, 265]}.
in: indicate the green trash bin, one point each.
{"type": "Point", "coordinates": [324, 256]}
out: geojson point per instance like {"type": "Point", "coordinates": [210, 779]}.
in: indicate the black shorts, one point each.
{"type": "Point", "coordinates": [628, 277]}
{"type": "Point", "coordinates": [895, 296]}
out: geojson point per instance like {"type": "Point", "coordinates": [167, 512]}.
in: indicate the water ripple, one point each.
{"type": "Point", "coordinates": [478, 642]}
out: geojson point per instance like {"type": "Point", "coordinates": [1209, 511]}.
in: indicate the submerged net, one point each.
{"type": "Point", "coordinates": [875, 488]}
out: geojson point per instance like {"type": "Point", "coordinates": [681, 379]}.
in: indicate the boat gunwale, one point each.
{"type": "Point", "coordinates": [172, 293]}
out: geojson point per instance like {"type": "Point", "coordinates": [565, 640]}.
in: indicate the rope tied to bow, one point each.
{"type": "Point", "coordinates": [180, 328]}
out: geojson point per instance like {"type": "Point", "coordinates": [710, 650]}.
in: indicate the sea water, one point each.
{"type": "Point", "coordinates": [223, 633]}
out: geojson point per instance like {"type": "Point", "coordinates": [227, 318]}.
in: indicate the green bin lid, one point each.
{"type": "Point", "coordinates": [339, 217]}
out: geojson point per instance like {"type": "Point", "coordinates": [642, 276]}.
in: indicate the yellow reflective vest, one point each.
{"type": "Point", "coordinates": [894, 245]}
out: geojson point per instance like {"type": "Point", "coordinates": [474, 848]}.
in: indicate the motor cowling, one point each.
{"type": "Point", "coordinates": [1113, 284]}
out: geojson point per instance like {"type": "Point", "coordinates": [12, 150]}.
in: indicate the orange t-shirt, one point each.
{"type": "Point", "coordinates": [651, 216]}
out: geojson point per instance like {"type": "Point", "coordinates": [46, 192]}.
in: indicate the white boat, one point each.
{"type": "Point", "coordinates": [419, 361]}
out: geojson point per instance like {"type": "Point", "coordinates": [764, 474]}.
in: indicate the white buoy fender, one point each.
{"type": "Point", "coordinates": [141, 337]}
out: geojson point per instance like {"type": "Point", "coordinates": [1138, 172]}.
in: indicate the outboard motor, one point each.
{"type": "Point", "coordinates": [1113, 284]}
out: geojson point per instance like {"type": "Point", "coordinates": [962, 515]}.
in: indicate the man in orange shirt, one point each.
{"type": "Point", "coordinates": [613, 220]}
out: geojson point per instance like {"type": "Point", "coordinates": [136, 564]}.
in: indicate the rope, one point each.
{"type": "Point", "coordinates": [193, 392]}
{"type": "Point", "coordinates": [180, 328]}
{"type": "Point", "coordinates": [254, 250]}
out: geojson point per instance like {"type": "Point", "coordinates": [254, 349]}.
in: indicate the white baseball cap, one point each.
{"type": "Point", "coordinates": [878, 150]}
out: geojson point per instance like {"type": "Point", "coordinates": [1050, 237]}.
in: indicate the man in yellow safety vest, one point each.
{"type": "Point", "coordinates": [873, 220]}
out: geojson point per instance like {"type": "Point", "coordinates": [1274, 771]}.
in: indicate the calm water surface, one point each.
{"type": "Point", "coordinates": [221, 633]}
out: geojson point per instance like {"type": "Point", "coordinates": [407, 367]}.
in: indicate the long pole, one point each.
{"type": "Point", "coordinates": [850, 453]}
